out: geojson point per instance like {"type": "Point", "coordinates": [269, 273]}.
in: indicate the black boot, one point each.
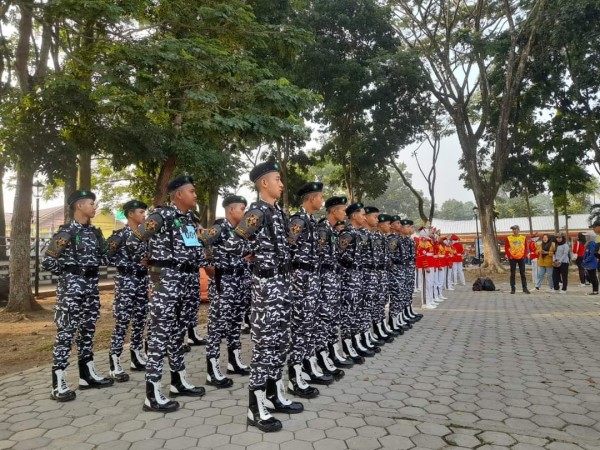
{"type": "Point", "coordinates": [116, 370]}
{"type": "Point", "coordinates": [88, 378]}
{"type": "Point", "coordinates": [328, 367]}
{"type": "Point", "coordinates": [138, 363]}
{"type": "Point", "coordinates": [337, 358]}
{"type": "Point", "coordinates": [235, 365]}
{"type": "Point", "coordinates": [193, 338]}
{"type": "Point", "coordinates": [395, 326]}
{"type": "Point", "coordinates": [388, 330]}
{"type": "Point", "coordinates": [380, 334]}
{"type": "Point", "coordinates": [311, 368]}
{"type": "Point", "coordinates": [181, 386]}
{"type": "Point", "coordinates": [156, 401]}
{"type": "Point", "coordinates": [186, 348]}
{"type": "Point", "coordinates": [407, 319]}
{"type": "Point", "coordinates": [366, 341]}
{"type": "Point", "coordinates": [60, 391]}
{"type": "Point", "coordinates": [414, 314]}
{"type": "Point", "coordinates": [276, 400]}
{"type": "Point", "coordinates": [360, 348]}
{"type": "Point", "coordinates": [214, 377]}
{"type": "Point", "coordinates": [298, 385]}
{"type": "Point", "coordinates": [403, 322]}
{"type": "Point", "coordinates": [351, 351]}
{"type": "Point", "coordinates": [258, 414]}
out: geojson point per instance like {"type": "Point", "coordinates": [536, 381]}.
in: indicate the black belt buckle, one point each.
{"type": "Point", "coordinates": [264, 273]}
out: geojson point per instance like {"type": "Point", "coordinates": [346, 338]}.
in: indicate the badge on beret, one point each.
{"type": "Point", "coordinates": [252, 220]}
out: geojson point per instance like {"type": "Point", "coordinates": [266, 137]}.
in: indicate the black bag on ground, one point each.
{"type": "Point", "coordinates": [484, 284]}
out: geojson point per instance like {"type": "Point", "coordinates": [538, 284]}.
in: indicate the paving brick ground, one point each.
{"type": "Point", "coordinates": [485, 370]}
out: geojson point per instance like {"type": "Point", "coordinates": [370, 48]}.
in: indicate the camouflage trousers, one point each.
{"type": "Point", "coordinates": [369, 293]}
{"type": "Point", "coordinates": [328, 310]}
{"type": "Point", "coordinates": [76, 312]}
{"type": "Point", "coordinates": [381, 296]}
{"type": "Point", "coordinates": [194, 308]}
{"type": "Point", "coordinates": [304, 293]}
{"type": "Point", "coordinates": [351, 302]}
{"type": "Point", "coordinates": [269, 321]}
{"type": "Point", "coordinates": [130, 305]}
{"type": "Point", "coordinates": [225, 314]}
{"type": "Point", "coordinates": [407, 287]}
{"type": "Point", "coordinates": [173, 296]}
{"type": "Point", "coordinates": [395, 281]}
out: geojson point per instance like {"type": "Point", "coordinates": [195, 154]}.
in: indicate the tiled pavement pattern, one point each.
{"type": "Point", "coordinates": [485, 370]}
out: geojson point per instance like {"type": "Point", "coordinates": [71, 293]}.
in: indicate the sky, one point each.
{"type": "Point", "coordinates": [448, 185]}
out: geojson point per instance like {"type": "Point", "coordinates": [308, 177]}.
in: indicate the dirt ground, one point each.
{"type": "Point", "coordinates": [26, 340]}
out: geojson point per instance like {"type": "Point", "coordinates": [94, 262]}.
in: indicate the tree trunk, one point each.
{"type": "Point", "coordinates": [420, 201]}
{"type": "Point", "coordinates": [162, 183]}
{"type": "Point", "coordinates": [2, 218]}
{"type": "Point", "coordinates": [490, 246]}
{"type": "Point", "coordinates": [528, 212]}
{"type": "Point", "coordinates": [20, 298]}
{"type": "Point", "coordinates": [282, 154]}
{"type": "Point", "coordinates": [85, 170]}
{"type": "Point", "coordinates": [556, 222]}
{"type": "Point", "coordinates": [211, 210]}
{"type": "Point", "coordinates": [70, 186]}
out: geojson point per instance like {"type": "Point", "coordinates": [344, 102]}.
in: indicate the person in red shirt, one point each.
{"type": "Point", "coordinates": [533, 256]}
{"type": "Point", "coordinates": [457, 263]}
{"type": "Point", "coordinates": [579, 250]}
{"type": "Point", "coordinates": [516, 251]}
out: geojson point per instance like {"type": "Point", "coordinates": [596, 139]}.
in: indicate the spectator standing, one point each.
{"type": "Point", "coordinates": [560, 262]}
{"type": "Point", "coordinates": [579, 249]}
{"type": "Point", "coordinates": [590, 261]}
{"type": "Point", "coordinates": [533, 257]}
{"type": "Point", "coordinates": [515, 250]}
{"type": "Point", "coordinates": [545, 251]}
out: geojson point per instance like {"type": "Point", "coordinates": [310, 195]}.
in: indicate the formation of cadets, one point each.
{"type": "Point", "coordinates": [316, 292]}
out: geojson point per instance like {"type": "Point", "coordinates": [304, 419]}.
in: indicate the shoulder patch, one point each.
{"type": "Point", "coordinates": [345, 242]}
{"type": "Point", "coordinates": [113, 244]}
{"type": "Point", "coordinates": [252, 220]}
{"type": "Point", "coordinates": [296, 228]}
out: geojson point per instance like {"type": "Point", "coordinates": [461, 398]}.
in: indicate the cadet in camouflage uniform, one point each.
{"type": "Point", "coordinates": [263, 232]}
{"type": "Point", "coordinates": [395, 321]}
{"type": "Point", "coordinates": [302, 237]}
{"type": "Point", "coordinates": [329, 307]}
{"type": "Point", "coordinates": [193, 338]}
{"type": "Point", "coordinates": [380, 243]}
{"type": "Point", "coordinates": [225, 312]}
{"type": "Point", "coordinates": [75, 253]}
{"type": "Point", "coordinates": [131, 294]}
{"type": "Point", "coordinates": [408, 270]}
{"type": "Point", "coordinates": [368, 286]}
{"type": "Point", "coordinates": [350, 244]}
{"type": "Point", "coordinates": [174, 254]}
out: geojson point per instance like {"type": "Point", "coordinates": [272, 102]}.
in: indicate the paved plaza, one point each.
{"type": "Point", "coordinates": [485, 370]}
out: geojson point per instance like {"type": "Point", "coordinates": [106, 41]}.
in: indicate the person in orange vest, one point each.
{"type": "Point", "coordinates": [516, 251]}
{"type": "Point", "coordinates": [533, 256]}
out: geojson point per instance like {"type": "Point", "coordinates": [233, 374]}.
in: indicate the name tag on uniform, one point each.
{"type": "Point", "coordinates": [190, 238]}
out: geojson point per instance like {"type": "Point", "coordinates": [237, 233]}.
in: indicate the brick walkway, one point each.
{"type": "Point", "coordinates": [485, 370]}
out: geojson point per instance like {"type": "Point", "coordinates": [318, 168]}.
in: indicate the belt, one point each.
{"type": "Point", "coordinates": [139, 273]}
{"type": "Point", "coordinates": [185, 267]}
{"type": "Point", "coordinates": [304, 266]}
{"type": "Point", "coordinates": [238, 271]}
{"type": "Point", "coordinates": [349, 265]}
{"type": "Point", "coordinates": [369, 266]}
{"type": "Point", "coordinates": [268, 273]}
{"type": "Point", "coordinates": [82, 271]}
{"type": "Point", "coordinates": [331, 268]}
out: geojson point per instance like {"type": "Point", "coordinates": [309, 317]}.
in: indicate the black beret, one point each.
{"type": "Point", "coordinates": [179, 181]}
{"type": "Point", "coordinates": [353, 208]}
{"type": "Point", "coordinates": [262, 169]}
{"type": "Point", "coordinates": [231, 199]}
{"type": "Point", "coordinates": [309, 188]}
{"type": "Point", "coordinates": [395, 218]}
{"type": "Point", "coordinates": [596, 223]}
{"type": "Point", "coordinates": [134, 204]}
{"type": "Point", "coordinates": [335, 201]}
{"type": "Point", "coordinates": [80, 195]}
{"type": "Point", "coordinates": [406, 222]}
{"type": "Point", "coordinates": [371, 210]}
{"type": "Point", "coordinates": [339, 223]}
{"type": "Point", "coordinates": [384, 218]}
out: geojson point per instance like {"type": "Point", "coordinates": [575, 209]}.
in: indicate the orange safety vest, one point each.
{"type": "Point", "coordinates": [516, 246]}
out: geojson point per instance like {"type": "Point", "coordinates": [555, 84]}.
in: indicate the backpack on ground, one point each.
{"type": "Point", "coordinates": [484, 284]}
